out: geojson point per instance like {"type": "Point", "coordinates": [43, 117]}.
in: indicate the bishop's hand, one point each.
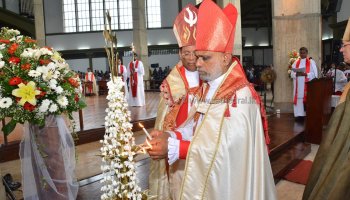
{"type": "Point", "coordinates": [159, 145]}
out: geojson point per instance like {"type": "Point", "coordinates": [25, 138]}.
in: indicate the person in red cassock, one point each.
{"type": "Point", "coordinates": [136, 72]}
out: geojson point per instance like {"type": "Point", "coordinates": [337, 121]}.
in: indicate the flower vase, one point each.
{"type": "Point", "coordinates": [48, 161]}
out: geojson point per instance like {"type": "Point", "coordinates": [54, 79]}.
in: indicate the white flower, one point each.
{"type": "Point", "coordinates": [19, 38]}
{"type": "Point", "coordinates": [27, 53]}
{"type": "Point", "coordinates": [5, 102]}
{"type": "Point", "coordinates": [51, 66]}
{"type": "Point", "coordinates": [44, 106]}
{"type": "Point", "coordinates": [2, 64]}
{"type": "Point", "coordinates": [46, 51]}
{"type": "Point", "coordinates": [56, 75]}
{"type": "Point", "coordinates": [62, 101]}
{"type": "Point", "coordinates": [13, 31]}
{"type": "Point", "coordinates": [62, 65]}
{"type": "Point", "coordinates": [53, 84]}
{"type": "Point", "coordinates": [53, 108]}
{"type": "Point", "coordinates": [1, 56]}
{"type": "Point", "coordinates": [34, 73]}
{"type": "Point", "coordinates": [2, 46]}
{"type": "Point", "coordinates": [59, 89]}
{"type": "Point", "coordinates": [37, 54]}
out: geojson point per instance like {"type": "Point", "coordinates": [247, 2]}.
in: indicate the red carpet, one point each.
{"type": "Point", "coordinates": [300, 173]}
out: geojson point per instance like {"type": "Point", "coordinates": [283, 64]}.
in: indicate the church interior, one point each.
{"type": "Point", "coordinates": [267, 34]}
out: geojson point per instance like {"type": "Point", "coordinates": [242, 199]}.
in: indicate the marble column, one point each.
{"type": "Point", "coordinates": [295, 23]}
{"type": "Point", "coordinates": [237, 48]}
{"type": "Point", "coordinates": [39, 22]}
{"type": "Point", "coordinates": [90, 56]}
{"type": "Point", "coordinates": [140, 35]}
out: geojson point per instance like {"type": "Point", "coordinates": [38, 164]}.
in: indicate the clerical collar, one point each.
{"type": "Point", "coordinates": [214, 84]}
{"type": "Point", "coordinates": [191, 72]}
{"type": "Point", "coordinates": [192, 78]}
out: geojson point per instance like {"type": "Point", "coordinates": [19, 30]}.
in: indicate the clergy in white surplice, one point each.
{"type": "Point", "coordinates": [122, 71]}
{"type": "Point", "coordinates": [227, 155]}
{"type": "Point", "coordinates": [303, 70]}
{"type": "Point", "coordinates": [136, 86]}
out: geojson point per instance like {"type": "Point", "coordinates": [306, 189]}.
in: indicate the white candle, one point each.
{"type": "Point", "coordinates": [146, 132]}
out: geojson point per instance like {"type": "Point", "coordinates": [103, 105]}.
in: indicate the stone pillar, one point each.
{"type": "Point", "coordinates": [295, 24]}
{"type": "Point", "coordinates": [140, 35]}
{"type": "Point", "coordinates": [237, 48]}
{"type": "Point", "coordinates": [90, 56]}
{"type": "Point", "coordinates": [39, 22]}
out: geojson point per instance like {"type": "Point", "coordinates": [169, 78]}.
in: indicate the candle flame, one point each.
{"type": "Point", "coordinates": [141, 125]}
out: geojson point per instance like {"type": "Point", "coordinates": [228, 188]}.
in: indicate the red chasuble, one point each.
{"type": "Point", "coordinates": [133, 77]}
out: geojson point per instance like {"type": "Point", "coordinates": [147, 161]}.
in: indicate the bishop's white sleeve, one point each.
{"type": "Point", "coordinates": [173, 150]}
{"type": "Point", "coordinates": [313, 71]}
{"type": "Point", "coordinates": [180, 136]}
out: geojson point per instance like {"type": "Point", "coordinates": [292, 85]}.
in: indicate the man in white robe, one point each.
{"type": "Point", "coordinates": [227, 156]}
{"type": "Point", "coordinates": [136, 86]}
{"type": "Point", "coordinates": [303, 70]}
{"type": "Point", "coordinates": [177, 92]}
{"type": "Point", "coordinates": [122, 71]}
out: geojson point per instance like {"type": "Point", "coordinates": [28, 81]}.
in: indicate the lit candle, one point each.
{"type": "Point", "coordinates": [146, 132]}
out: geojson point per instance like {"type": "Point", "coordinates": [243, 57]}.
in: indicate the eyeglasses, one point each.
{"type": "Point", "coordinates": [189, 54]}
{"type": "Point", "coordinates": [344, 45]}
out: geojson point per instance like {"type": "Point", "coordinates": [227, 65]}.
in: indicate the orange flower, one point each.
{"type": "Point", "coordinates": [44, 61]}
{"type": "Point", "coordinates": [73, 82]}
{"type": "Point", "coordinates": [26, 66]}
{"type": "Point", "coordinates": [14, 60]}
{"type": "Point", "coordinates": [41, 95]}
{"type": "Point", "coordinates": [15, 81]}
{"type": "Point", "coordinates": [29, 40]}
{"type": "Point", "coordinates": [49, 48]}
{"type": "Point", "coordinates": [5, 41]}
{"type": "Point", "coordinates": [28, 106]}
{"type": "Point", "coordinates": [12, 49]}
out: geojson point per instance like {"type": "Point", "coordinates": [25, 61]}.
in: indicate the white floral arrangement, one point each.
{"type": "Point", "coordinates": [34, 82]}
{"type": "Point", "coordinates": [119, 149]}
